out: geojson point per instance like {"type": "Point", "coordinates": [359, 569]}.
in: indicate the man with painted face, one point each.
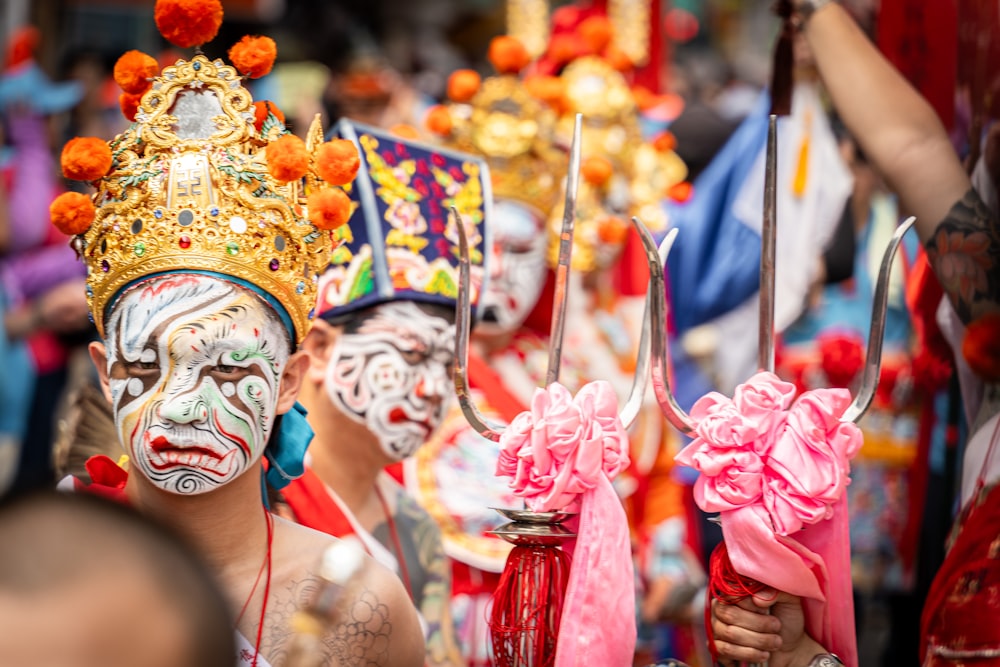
{"type": "Point", "coordinates": [203, 245]}
{"type": "Point", "coordinates": [381, 352]}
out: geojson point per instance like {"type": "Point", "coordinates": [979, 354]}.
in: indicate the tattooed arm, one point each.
{"type": "Point", "coordinates": [379, 627]}
{"type": "Point", "coordinates": [965, 254]}
{"type": "Point", "coordinates": [376, 626]}
{"type": "Point", "coordinates": [434, 596]}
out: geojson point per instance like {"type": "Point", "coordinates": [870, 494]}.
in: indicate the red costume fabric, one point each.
{"type": "Point", "coordinates": [961, 620]}
{"type": "Point", "coordinates": [312, 505]}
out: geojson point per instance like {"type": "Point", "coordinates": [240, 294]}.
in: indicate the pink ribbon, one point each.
{"type": "Point", "coordinates": [776, 472]}
{"type": "Point", "coordinates": [562, 455]}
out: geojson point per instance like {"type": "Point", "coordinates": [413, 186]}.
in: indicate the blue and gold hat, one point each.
{"type": "Point", "coordinates": [402, 244]}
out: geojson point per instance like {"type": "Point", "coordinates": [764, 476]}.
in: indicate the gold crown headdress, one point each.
{"type": "Point", "coordinates": [503, 119]}
{"type": "Point", "coordinates": [623, 174]}
{"type": "Point", "coordinates": [205, 180]}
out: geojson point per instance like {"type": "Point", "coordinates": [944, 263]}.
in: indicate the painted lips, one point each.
{"type": "Point", "coordinates": [398, 416]}
{"type": "Point", "coordinates": [165, 455]}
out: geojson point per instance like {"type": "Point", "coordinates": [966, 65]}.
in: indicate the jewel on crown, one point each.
{"type": "Point", "coordinates": [205, 179]}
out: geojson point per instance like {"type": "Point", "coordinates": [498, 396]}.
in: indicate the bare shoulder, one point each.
{"type": "Point", "coordinates": [376, 626]}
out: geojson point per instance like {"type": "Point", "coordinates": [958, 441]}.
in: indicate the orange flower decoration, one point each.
{"type": "Point", "coordinates": [645, 99]}
{"type": "Point", "coordinates": [665, 142]}
{"type": "Point", "coordinates": [329, 208]}
{"type": "Point", "coordinates": [262, 109]}
{"type": "Point", "coordinates": [438, 120]}
{"type": "Point", "coordinates": [596, 170]}
{"type": "Point", "coordinates": [612, 230]}
{"type": "Point", "coordinates": [134, 71]}
{"type": "Point", "coordinates": [129, 105]}
{"type": "Point", "coordinates": [72, 213]}
{"type": "Point", "coordinates": [680, 192]}
{"type": "Point", "coordinates": [564, 48]}
{"type": "Point", "coordinates": [337, 161]}
{"type": "Point", "coordinates": [85, 158]}
{"type": "Point", "coordinates": [596, 33]}
{"type": "Point", "coordinates": [508, 54]}
{"type": "Point", "coordinates": [187, 23]}
{"type": "Point", "coordinates": [463, 84]}
{"type": "Point", "coordinates": [549, 89]}
{"type": "Point", "coordinates": [618, 59]}
{"type": "Point", "coordinates": [981, 347]}
{"type": "Point", "coordinates": [253, 56]}
{"type": "Point", "coordinates": [287, 158]}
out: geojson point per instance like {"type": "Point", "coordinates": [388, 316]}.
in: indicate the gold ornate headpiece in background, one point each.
{"type": "Point", "coordinates": [205, 181]}
{"type": "Point", "coordinates": [500, 119]}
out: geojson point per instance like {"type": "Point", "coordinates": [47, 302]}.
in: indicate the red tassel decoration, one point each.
{"type": "Point", "coordinates": [527, 606]}
{"type": "Point", "coordinates": [726, 584]}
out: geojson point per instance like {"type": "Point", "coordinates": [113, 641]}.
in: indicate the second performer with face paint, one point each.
{"type": "Point", "coordinates": [381, 355]}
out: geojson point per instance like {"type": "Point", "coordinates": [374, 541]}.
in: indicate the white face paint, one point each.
{"type": "Point", "coordinates": [517, 269]}
{"type": "Point", "coordinates": [194, 364]}
{"type": "Point", "coordinates": [392, 373]}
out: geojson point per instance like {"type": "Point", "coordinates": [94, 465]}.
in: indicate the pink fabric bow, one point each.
{"type": "Point", "coordinates": [777, 475]}
{"type": "Point", "coordinates": [562, 455]}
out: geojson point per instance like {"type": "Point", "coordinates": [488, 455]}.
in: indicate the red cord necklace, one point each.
{"type": "Point", "coordinates": [267, 587]}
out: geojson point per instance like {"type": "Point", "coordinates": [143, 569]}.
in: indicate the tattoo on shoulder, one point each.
{"type": "Point", "coordinates": [360, 638]}
{"type": "Point", "coordinates": [965, 253]}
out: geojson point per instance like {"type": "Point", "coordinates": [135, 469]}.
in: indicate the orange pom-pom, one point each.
{"type": "Point", "coordinates": [596, 170]}
{"type": "Point", "coordinates": [186, 23]}
{"type": "Point", "coordinates": [508, 54]}
{"type": "Point", "coordinates": [463, 84]}
{"type": "Point", "coordinates": [134, 70]}
{"type": "Point", "coordinates": [287, 158]}
{"type": "Point", "coordinates": [644, 98]}
{"type": "Point", "coordinates": [405, 131]}
{"type": "Point", "coordinates": [262, 109]}
{"type": "Point", "coordinates": [665, 142]}
{"type": "Point", "coordinates": [549, 89]}
{"type": "Point", "coordinates": [253, 56]}
{"type": "Point", "coordinates": [72, 213]}
{"type": "Point", "coordinates": [85, 158]}
{"type": "Point", "coordinates": [618, 59]}
{"type": "Point", "coordinates": [680, 192]}
{"type": "Point", "coordinates": [129, 104]}
{"type": "Point", "coordinates": [596, 33]}
{"type": "Point", "coordinates": [981, 347]}
{"type": "Point", "coordinates": [438, 120]}
{"type": "Point", "coordinates": [612, 230]}
{"type": "Point", "coordinates": [337, 161]}
{"type": "Point", "coordinates": [329, 208]}
{"type": "Point", "coordinates": [564, 48]}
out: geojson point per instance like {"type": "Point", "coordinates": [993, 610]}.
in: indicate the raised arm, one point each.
{"type": "Point", "coordinates": [896, 127]}
{"type": "Point", "coordinates": [906, 142]}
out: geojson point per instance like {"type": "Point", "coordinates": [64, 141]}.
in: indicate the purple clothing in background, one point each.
{"type": "Point", "coordinates": [30, 267]}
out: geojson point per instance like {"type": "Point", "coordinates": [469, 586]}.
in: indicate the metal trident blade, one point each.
{"type": "Point", "coordinates": [765, 322]}
{"type": "Point", "coordinates": [633, 404]}
{"type": "Point", "coordinates": [463, 321]}
{"type": "Point", "coordinates": [658, 337]}
{"type": "Point", "coordinates": [873, 356]}
{"type": "Point", "coordinates": [565, 254]}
